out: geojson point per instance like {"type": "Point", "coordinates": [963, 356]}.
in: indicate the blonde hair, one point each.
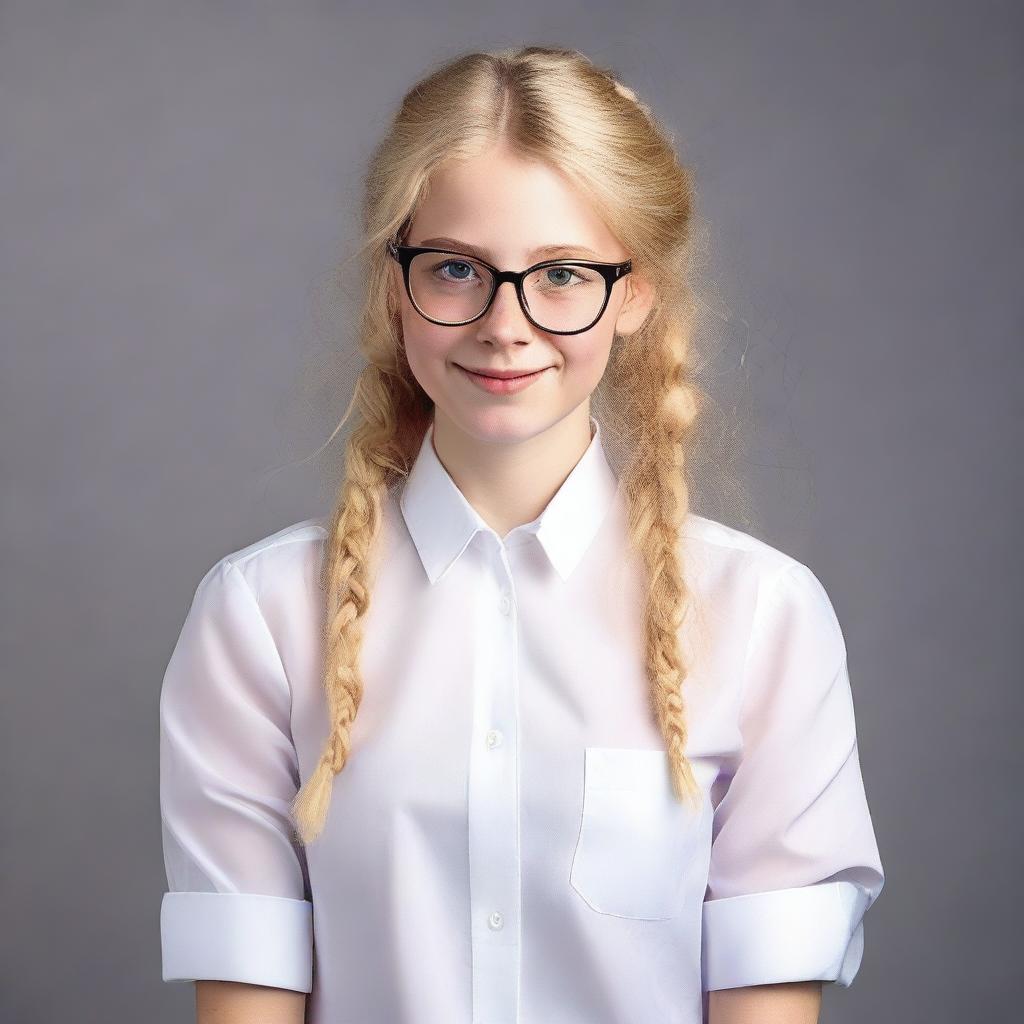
{"type": "Point", "coordinates": [553, 105]}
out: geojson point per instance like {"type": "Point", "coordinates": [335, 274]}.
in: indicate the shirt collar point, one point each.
{"type": "Point", "coordinates": [442, 523]}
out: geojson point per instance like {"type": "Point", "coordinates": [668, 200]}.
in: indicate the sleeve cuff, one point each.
{"type": "Point", "coordinates": [223, 936]}
{"type": "Point", "coordinates": [808, 933]}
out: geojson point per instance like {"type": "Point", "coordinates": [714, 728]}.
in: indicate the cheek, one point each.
{"type": "Point", "coordinates": [585, 361]}
{"type": "Point", "coordinates": [427, 348]}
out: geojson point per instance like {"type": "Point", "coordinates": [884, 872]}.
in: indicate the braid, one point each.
{"type": "Point", "coordinates": [658, 496]}
{"type": "Point", "coordinates": [345, 577]}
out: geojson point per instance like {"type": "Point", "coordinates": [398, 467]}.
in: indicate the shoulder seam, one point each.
{"type": "Point", "coordinates": [291, 535]}
{"type": "Point", "coordinates": [728, 537]}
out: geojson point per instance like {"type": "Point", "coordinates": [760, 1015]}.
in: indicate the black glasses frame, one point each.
{"type": "Point", "coordinates": [611, 272]}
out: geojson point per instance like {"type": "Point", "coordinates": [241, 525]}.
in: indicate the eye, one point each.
{"type": "Point", "coordinates": [562, 277]}
{"type": "Point", "coordinates": [462, 270]}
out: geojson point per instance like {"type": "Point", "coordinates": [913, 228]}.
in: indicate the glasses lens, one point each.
{"type": "Point", "coordinates": [453, 288]}
{"type": "Point", "coordinates": [564, 297]}
{"type": "Point", "coordinates": [449, 287]}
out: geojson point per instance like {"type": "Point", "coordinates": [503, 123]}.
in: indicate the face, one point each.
{"type": "Point", "coordinates": [506, 210]}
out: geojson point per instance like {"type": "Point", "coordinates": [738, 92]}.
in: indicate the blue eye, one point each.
{"type": "Point", "coordinates": [560, 270]}
{"type": "Point", "coordinates": [456, 263]}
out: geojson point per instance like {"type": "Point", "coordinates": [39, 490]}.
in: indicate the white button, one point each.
{"type": "Point", "coordinates": [496, 921]}
{"type": "Point", "coordinates": [494, 738]}
{"type": "Point", "coordinates": [505, 604]}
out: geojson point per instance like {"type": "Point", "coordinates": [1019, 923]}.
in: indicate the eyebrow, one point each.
{"type": "Point", "coordinates": [544, 252]}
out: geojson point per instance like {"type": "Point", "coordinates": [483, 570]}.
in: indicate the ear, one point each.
{"type": "Point", "coordinates": [637, 305]}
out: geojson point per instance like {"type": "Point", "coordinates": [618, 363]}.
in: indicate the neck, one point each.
{"type": "Point", "coordinates": [511, 483]}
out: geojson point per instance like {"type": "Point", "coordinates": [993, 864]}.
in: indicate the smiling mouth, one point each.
{"type": "Point", "coordinates": [510, 376]}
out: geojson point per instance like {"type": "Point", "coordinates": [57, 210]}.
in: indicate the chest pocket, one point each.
{"type": "Point", "coordinates": [638, 844]}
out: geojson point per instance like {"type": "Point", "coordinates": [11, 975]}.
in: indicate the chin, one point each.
{"type": "Point", "coordinates": [507, 426]}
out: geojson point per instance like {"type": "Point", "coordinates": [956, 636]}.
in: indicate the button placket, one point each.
{"type": "Point", "coordinates": [493, 798]}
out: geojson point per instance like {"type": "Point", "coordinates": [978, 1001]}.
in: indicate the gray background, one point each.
{"type": "Point", "coordinates": [177, 181]}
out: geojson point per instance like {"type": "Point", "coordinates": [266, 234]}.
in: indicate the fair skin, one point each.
{"type": "Point", "coordinates": [797, 1002]}
{"type": "Point", "coordinates": [510, 453]}
{"type": "Point", "coordinates": [230, 1002]}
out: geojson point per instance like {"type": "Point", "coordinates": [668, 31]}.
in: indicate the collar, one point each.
{"type": "Point", "coordinates": [442, 522]}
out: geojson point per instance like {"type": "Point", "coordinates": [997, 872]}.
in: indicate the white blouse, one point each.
{"type": "Point", "coordinates": [503, 845]}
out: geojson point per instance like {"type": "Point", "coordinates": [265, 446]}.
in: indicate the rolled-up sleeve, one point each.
{"type": "Point", "coordinates": [237, 906]}
{"type": "Point", "coordinates": [794, 860]}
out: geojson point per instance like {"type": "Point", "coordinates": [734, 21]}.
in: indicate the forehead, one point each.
{"type": "Point", "coordinates": [508, 210]}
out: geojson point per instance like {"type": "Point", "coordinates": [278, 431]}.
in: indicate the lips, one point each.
{"type": "Point", "coordinates": [511, 385]}
{"type": "Point", "coordinates": [504, 374]}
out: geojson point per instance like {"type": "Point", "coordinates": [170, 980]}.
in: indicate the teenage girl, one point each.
{"type": "Point", "coordinates": [513, 734]}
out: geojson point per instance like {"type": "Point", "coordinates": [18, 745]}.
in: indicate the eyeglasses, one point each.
{"type": "Point", "coordinates": [557, 296]}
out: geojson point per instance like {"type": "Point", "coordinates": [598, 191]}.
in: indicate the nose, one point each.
{"type": "Point", "coordinates": [505, 319]}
